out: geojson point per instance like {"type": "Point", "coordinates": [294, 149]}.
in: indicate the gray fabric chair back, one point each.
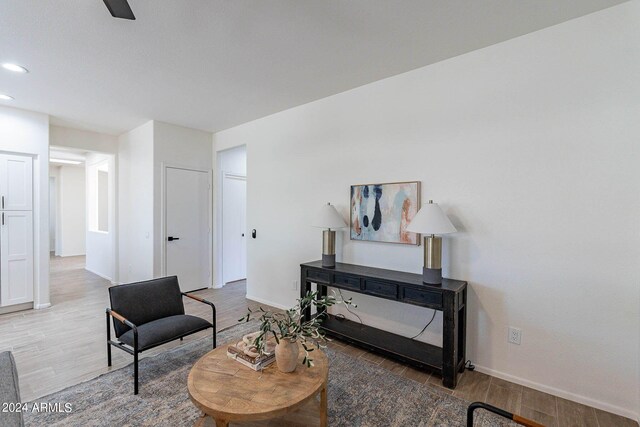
{"type": "Point", "coordinates": [143, 302]}
{"type": "Point", "coordinates": [9, 390]}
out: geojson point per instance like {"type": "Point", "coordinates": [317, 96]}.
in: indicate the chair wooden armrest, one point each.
{"type": "Point", "coordinates": [121, 318]}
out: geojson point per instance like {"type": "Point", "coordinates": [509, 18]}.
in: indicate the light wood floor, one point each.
{"type": "Point", "coordinates": [65, 344]}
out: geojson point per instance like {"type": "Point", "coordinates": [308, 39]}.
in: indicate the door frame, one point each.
{"type": "Point", "coordinates": [220, 222]}
{"type": "Point", "coordinates": [163, 215]}
{"type": "Point", "coordinates": [56, 235]}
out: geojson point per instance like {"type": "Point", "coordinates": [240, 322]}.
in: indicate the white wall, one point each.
{"type": "Point", "coordinates": [135, 204]}
{"type": "Point", "coordinates": [101, 244]}
{"type": "Point", "coordinates": [54, 173]}
{"type": "Point", "coordinates": [531, 147]}
{"type": "Point", "coordinates": [142, 154]}
{"type": "Point", "coordinates": [83, 140]}
{"type": "Point", "coordinates": [175, 146]}
{"type": "Point", "coordinates": [71, 216]}
{"type": "Point", "coordinates": [28, 133]}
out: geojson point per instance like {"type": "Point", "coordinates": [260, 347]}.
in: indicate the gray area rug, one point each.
{"type": "Point", "coordinates": [360, 394]}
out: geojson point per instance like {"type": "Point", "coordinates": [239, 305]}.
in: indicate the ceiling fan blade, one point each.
{"type": "Point", "coordinates": [119, 9]}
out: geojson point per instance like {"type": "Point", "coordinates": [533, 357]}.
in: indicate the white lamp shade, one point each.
{"type": "Point", "coordinates": [328, 217]}
{"type": "Point", "coordinates": [431, 220]}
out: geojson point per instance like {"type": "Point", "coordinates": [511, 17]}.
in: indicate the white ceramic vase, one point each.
{"type": "Point", "coordinates": [287, 355]}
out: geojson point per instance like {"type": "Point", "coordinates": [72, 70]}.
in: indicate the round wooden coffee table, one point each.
{"type": "Point", "coordinates": [227, 391]}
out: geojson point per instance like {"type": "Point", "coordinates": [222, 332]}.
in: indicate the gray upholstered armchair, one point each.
{"type": "Point", "coordinates": [148, 314]}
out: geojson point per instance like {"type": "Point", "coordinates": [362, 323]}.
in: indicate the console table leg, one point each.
{"type": "Point", "coordinates": [462, 331]}
{"type": "Point", "coordinates": [305, 287]}
{"type": "Point", "coordinates": [450, 341]}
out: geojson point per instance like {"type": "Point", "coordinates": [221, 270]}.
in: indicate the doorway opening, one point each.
{"type": "Point", "coordinates": [82, 186]}
{"type": "Point", "coordinates": [231, 211]}
{"type": "Point", "coordinates": [67, 204]}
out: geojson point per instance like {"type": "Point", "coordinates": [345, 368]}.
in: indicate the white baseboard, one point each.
{"type": "Point", "coordinates": [264, 301]}
{"type": "Point", "coordinates": [68, 255]}
{"type": "Point", "coordinates": [101, 275]}
{"type": "Point", "coordinates": [41, 306]}
{"type": "Point", "coordinates": [560, 393]}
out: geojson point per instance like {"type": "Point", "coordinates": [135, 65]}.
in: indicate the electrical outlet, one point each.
{"type": "Point", "coordinates": [295, 285]}
{"type": "Point", "coordinates": [515, 335]}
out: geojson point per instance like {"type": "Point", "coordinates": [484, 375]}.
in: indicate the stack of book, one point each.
{"type": "Point", "coordinates": [246, 353]}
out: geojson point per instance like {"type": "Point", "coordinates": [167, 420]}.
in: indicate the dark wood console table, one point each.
{"type": "Point", "coordinates": [450, 298]}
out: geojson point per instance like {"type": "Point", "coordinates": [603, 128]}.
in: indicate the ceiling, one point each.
{"type": "Point", "coordinates": [214, 64]}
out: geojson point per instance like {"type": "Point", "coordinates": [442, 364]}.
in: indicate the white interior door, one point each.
{"type": "Point", "coordinates": [187, 227]}
{"type": "Point", "coordinates": [16, 260]}
{"type": "Point", "coordinates": [234, 239]}
{"type": "Point", "coordinates": [16, 183]}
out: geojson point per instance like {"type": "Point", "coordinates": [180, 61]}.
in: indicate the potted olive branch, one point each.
{"type": "Point", "coordinates": [288, 328]}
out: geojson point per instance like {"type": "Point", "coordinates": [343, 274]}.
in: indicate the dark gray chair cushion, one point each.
{"type": "Point", "coordinates": [164, 330]}
{"type": "Point", "coordinates": [144, 302]}
{"type": "Point", "coordinates": [9, 390]}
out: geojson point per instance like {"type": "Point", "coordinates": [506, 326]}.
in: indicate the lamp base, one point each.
{"type": "Point", "coordinates": [432, 276]}
{"type": "Point", "coordinates": [329, 261]}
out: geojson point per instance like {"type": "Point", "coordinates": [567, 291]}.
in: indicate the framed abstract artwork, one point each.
{"type": "Point", "coordinates": [382, 212]}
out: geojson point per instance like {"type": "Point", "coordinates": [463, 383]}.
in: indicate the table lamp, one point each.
{"type": "Point", "coordinates": [429, 221]}
{"type": "Point", "coordinates": [329, 219]}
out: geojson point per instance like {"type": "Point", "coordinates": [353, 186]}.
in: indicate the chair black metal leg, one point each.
{"type": "Point", "coordinates": [135, 361]}
{"type": "Point", "coordinates": [108, 338]}
{"type": "Point", "coordinates": [135, 373]}
{"type": "Point", "coordinates": [213, 309]}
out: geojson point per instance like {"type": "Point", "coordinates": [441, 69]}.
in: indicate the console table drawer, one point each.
{"type": "Point", "coordinates": [422, 297]}
{"type": "Point", "coordinates": [382, 289]}
{"type": "Point", "coordinates": [346, 282]}
{"type": "Point", "coordinates": [319, 276]}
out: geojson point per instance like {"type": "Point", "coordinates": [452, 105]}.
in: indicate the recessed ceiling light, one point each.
{"type": "Point", "coordinates": [65, 161]}
{"type": "Point", "coordinates": [15, 68]}
{"type": "Point", "coordinates": [6, 97]}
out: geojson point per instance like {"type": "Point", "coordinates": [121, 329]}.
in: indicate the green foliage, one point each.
{"type": "Point", "coordinates": [289, 325]}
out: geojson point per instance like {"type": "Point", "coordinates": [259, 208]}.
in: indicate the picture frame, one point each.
{"type": "Point", "coordinates": [381, 212]}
